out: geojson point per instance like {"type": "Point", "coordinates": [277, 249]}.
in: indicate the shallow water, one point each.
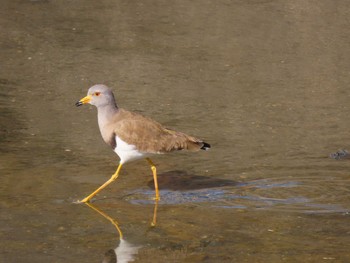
{"type": "Point", "coordinates": [265, 82]}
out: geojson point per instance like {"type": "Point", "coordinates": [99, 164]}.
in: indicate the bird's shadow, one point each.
{"type": "Point", "coordinates": [180, 180]}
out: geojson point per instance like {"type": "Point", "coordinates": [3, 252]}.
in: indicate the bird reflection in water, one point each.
{"type": "Point", "coordinates": [125, 251]}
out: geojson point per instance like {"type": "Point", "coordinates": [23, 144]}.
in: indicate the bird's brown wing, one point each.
{"type": "Point", "coordinates": [150, 136]}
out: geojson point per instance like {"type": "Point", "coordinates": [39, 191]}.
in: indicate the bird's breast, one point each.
{"type": "Point", "coordinates": [108, 136]}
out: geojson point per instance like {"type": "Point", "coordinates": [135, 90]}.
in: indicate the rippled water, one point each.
{"type": "Point", "coordinates": [264, 82]}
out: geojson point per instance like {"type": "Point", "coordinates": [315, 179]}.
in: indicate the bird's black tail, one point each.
{"type": "Point", "coordinates": [206, 146]}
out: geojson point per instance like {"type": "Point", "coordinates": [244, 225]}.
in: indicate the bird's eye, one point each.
{"type": "Point", "coordinates": [97, 93]}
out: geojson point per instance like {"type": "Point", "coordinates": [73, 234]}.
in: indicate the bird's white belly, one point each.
{"type": "Point", "coordinates": [127, 152]}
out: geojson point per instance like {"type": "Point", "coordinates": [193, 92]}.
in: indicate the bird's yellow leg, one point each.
{"type": "Point", "coordinates": [114, 177]}
{"type": "Point", "coordinates": [154, 171]}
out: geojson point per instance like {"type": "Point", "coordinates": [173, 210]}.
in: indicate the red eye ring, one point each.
{"type": "Point", "coordinates": [97, 94]}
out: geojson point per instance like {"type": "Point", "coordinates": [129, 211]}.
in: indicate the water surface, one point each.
{"type": "Point", "coordinates": [265, 82]}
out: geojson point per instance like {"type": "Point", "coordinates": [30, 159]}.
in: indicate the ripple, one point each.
{"type": "Point", "coordinates": [241, 197]}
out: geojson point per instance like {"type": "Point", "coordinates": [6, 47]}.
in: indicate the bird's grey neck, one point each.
{"type": "Point", "coordinates": [105, 113]}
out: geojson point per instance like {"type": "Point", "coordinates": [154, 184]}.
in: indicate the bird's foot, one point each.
{"type": "Point", "coordinates": [156, 198]}
{"type": "Point", "coordinates": [85, 200]}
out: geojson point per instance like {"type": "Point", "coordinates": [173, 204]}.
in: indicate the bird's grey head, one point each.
{"type": "Point", "coordinates": [99, 95]}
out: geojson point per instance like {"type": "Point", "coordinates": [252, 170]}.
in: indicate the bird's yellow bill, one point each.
{"type": "Point", "coordinates": [84, 100]}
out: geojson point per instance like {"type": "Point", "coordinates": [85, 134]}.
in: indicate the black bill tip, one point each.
{"type": "Point", "coordinates": [78, 103]}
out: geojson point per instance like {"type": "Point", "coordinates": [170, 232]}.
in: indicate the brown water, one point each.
{"type": "Point", "coordinates": [265, 82]}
